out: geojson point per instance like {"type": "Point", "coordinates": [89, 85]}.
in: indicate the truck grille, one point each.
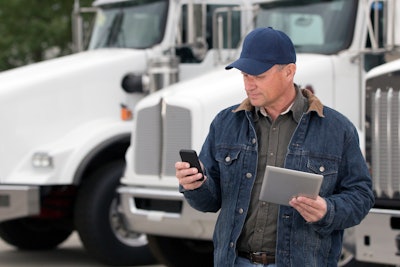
{"type": "Point", "coordinates": [383, 135]}
{"type": "Point", "coordinates": [162, 130]}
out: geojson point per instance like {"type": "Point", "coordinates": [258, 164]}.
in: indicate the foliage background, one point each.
{"type": "Point", "coordinates": [33, 31]}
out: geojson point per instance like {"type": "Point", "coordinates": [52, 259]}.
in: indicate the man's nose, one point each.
{"type": "Point", "coordinates": [249, 83]}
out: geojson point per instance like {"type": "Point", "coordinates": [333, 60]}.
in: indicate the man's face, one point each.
{"type": "Point", "coordinates": [271, 87]}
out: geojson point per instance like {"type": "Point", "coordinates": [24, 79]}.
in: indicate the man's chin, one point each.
{"type": "Point", "coordinates": [254, 102]}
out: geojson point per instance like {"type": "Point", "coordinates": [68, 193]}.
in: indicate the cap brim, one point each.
{"type": "Point", "coordinates": [250, 66]}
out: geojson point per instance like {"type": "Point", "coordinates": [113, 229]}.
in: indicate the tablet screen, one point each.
{"type": "Point", "coordinates": [280, 185]}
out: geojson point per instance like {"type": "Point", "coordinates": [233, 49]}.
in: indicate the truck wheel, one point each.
{"type": "Point", "coordinates": [100, 225]}
{"type": "Point", "coordinates": [177, 252]}
{"type": "Point", "coordinates": [33, 233]}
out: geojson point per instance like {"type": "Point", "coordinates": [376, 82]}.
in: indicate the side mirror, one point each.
{"type": "Point", "coordinates": [200, 48]}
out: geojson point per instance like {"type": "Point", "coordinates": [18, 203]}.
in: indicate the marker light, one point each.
{"type": "Point", "coordinates": [42, 160]}
{"type": "Point", "coordinates": [126, 113]}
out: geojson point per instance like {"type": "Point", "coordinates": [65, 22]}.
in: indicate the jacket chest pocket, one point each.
{"type": "Point", "coordinates": [229, 162]}
{"type": "Point", "coordinates": [328, 167]}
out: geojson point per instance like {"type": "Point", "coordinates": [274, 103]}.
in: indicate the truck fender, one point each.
{"type": "Point", "coordinates": [70, 154]}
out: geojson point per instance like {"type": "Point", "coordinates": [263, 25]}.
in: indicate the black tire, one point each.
{"type": "Point", "coordinates": [33, 233]}
{"type": "Point", "coordinates": [177, 252]}
{"type": "Point", "coordinates": [99, 224]}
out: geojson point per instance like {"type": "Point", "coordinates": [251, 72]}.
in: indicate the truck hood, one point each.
{"type": "Point", "coordinates": [43, 102]}
{"type": "Point", "coordinates": [220, 88]}
{"type": "Point", "coordinates": [221, 84]}
{"type": "Point", "coordinates": [61, 68]}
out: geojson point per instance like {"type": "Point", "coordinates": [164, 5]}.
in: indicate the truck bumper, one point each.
{"type": "Point", "coordinates": [164, 212]}
{"type": "Point", "coordinates": [18, 201]}
{"type": "Point", "coordinates": [376, 237]}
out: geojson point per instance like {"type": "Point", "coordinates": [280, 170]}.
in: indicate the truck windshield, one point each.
{"type": "Point", "coordinates": [133, 24]}
{"type": "Point", "coordinates": [315, 26]}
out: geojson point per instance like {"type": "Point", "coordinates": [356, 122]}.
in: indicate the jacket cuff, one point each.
{"type": "Point", "coordinates": [323, 226]}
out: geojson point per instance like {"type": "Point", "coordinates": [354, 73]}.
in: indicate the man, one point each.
{"type": "Point", "coordinates": [281, 125]}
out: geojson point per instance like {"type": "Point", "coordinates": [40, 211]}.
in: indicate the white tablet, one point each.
{"type": "Point", "coordinates": [280, 185]}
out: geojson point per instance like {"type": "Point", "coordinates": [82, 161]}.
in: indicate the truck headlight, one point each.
{"type": "Point", "coordinates": [42, 160]}
{"type": "Point", "coordinates": [135, 83]}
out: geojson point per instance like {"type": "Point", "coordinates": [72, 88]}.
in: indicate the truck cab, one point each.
{"type": "Point", "coordinates": [337, 43]}
{"type": "Point", "coordinates": [67, 122]}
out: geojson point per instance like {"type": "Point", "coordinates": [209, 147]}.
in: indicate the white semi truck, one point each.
{"type": "Point", "coordinates": [337, 43]}
{"type": "Point", "coordinates": [66, 123]}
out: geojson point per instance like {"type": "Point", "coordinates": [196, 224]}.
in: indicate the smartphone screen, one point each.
{"type": "Point", "coordinates": [190, 156]}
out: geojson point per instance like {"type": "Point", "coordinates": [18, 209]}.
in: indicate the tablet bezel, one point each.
{"type": "Point", "coordinates": [280, 185]}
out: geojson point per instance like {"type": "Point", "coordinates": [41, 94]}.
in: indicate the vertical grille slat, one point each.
{"type": "Point", "coordinates": [161, 131]}
{"type": "Point", "coordinates": [388, 187]}
{"type": "Point", "coordinates": [384, 149]}
{"type": "Point", "coordinates": [147, 141]}
{"type": "Point", "coordinates": [396, 145]}
{"type": "Point", "coordinates": [376, 145]}
{"type": "Point", "coordinates": [177, 134]}
{"type": "Point", "coordinates": [383, 135]}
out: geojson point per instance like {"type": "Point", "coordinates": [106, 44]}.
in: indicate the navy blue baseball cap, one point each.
{"type": "Point", "coordinates": [262, 49]}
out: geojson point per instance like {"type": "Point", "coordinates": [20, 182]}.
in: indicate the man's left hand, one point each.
{"type": "Point", "coordinates": [312, 210]}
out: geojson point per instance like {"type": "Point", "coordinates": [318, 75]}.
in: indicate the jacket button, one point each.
{"type": "Point", "coordinates": [227, 159]}
{"type": "Point", "coordinates": [322, 169]}
{"type": "Point", "coordinates": [231, 244]}
{"type": "Point", "coordinates": [253, 140]}
{"type": "Point", "coordinates": [249, 175]}
{"type": "Point", "coordinates": [240, 211]}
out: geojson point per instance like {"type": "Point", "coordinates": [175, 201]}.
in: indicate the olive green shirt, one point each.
{"type": "Point", "coordinates": [259, 231]}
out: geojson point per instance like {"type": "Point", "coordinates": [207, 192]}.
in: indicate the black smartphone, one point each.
{"type": "Point", "coordinates": [190, 156]}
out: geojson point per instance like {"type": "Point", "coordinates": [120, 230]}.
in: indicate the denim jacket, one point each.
{"type": "Point", "coordinates": [324, 142]}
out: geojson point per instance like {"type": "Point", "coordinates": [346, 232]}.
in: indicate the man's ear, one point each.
{"type": "Point", "coordinates": [291, 69]}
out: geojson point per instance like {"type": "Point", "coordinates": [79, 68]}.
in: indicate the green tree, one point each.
{"type": "Point", "coordinates": [33, 31]}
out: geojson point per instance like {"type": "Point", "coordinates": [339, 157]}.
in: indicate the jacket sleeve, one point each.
{"type": "Point", "coordinates": [207, 198]}
{"type": "Point", "coordinates": [354, 196]}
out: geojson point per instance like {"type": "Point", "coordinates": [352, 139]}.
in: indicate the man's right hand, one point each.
{"type": "Point", "coordinates": [188, 177]}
